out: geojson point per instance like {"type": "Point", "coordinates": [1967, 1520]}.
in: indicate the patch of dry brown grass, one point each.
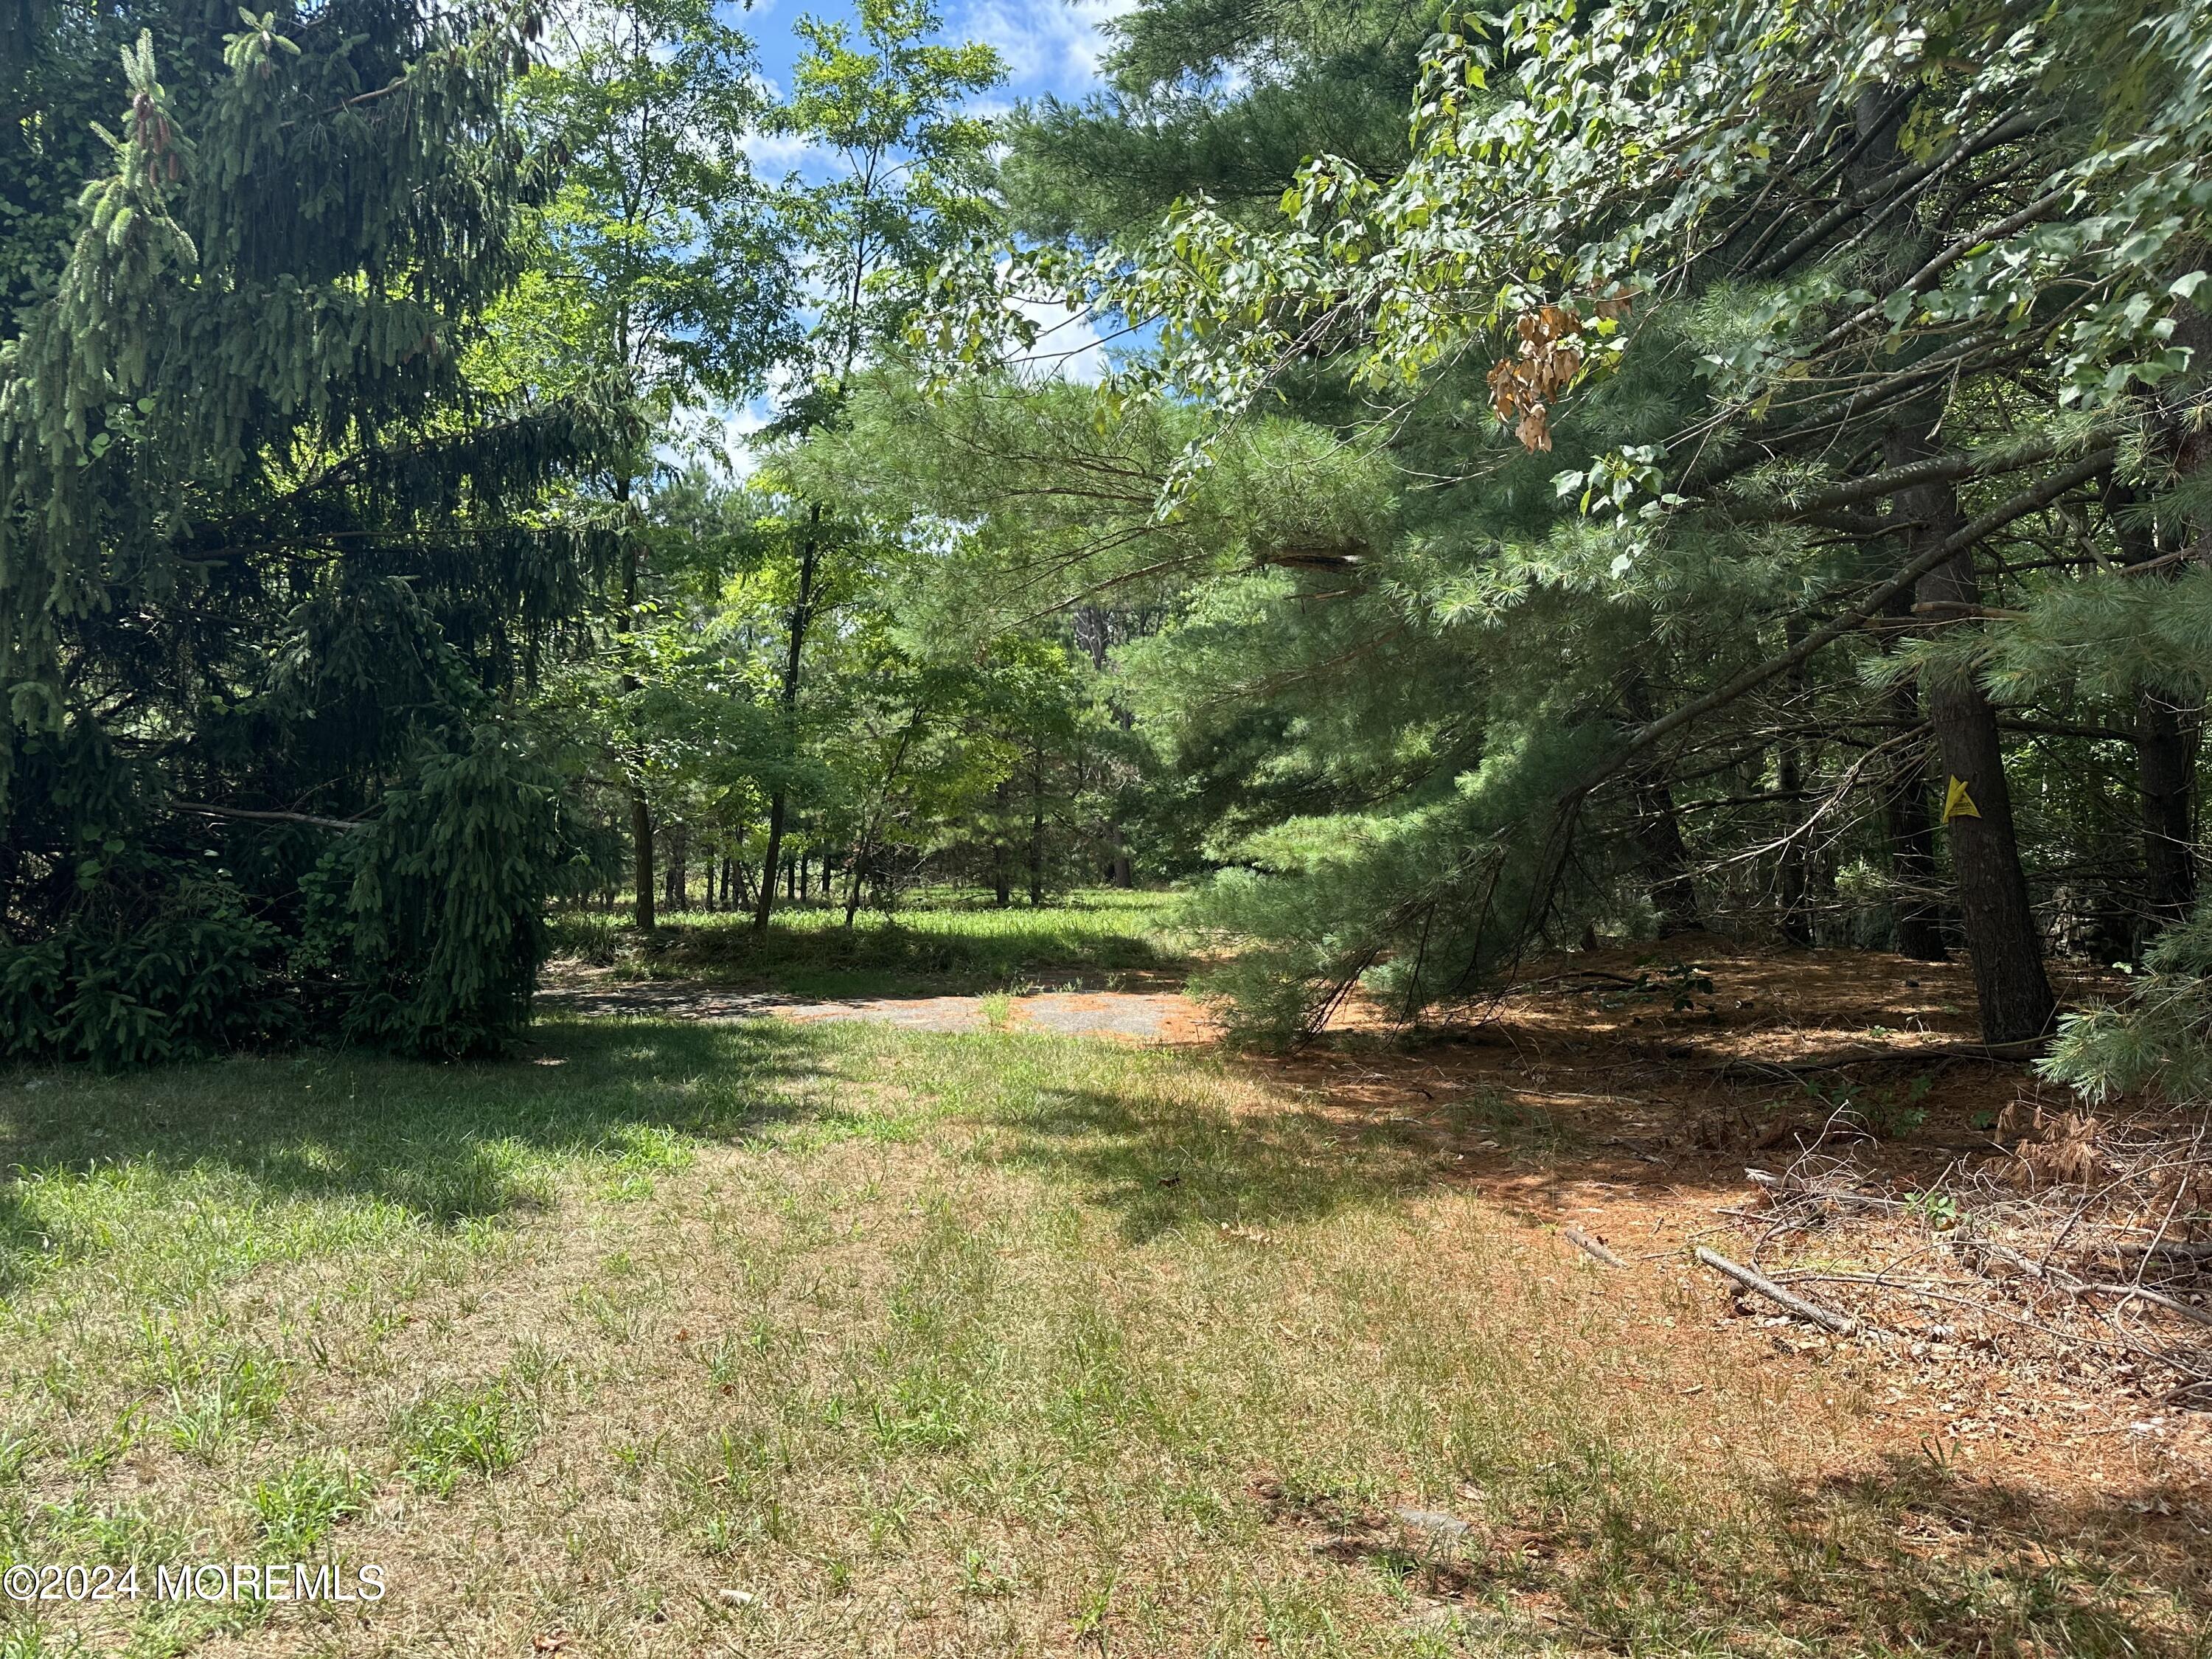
{"type": "Point", "coordinates": [980, 1345]}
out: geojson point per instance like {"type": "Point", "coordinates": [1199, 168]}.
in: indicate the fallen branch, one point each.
{"type": "Point", "coordinates": [2138, 1293]}
{"type": "Point", "coordinates": [2075, 1286]}
{"type": "Point", "coordinates": [2161, 1252]}
{"type": "Point", "coordinates": [1996, 1053]}
{"type": "Point", "coordinates": [1782, 1187]}
{"type": "Point", "coordinates": [1589, 1246]}
{"type": "Point", "coordinates": [253, 816]}
{"type": "Point", "coordinates": [1826, 1318]}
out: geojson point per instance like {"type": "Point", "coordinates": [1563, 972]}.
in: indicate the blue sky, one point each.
{"type": "Point", "coordinates": [1049, 46]}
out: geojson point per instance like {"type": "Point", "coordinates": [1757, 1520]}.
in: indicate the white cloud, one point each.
{"type": "Point", "coordinates": [1068, 346]}
{"type": "Point", "coordinates": [740, 456]}
{"type": "Point", "coordinates": [777, 152]}
{"type": "Point", "coordinates": [1049, 45]}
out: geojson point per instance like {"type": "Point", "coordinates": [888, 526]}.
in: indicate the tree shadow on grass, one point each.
{"type": "Point", "coordinates": [1907, 1558]}
{"type": "Point", "coordinates": [1912, 1556]}
{"type": "Point", "coordinates": [1160, 1163]}
{"type": "Point", "coordinates": [445, 1144]}
{"type": "Point", "coordinates": [1945, 1562]}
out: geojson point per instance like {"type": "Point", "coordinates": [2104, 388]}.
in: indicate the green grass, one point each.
{"type": "Point", "coordinates": [453, 1434]}
{"type": "Point", "coordinates": [949, 943]}
{"type": "Point", "coordinates": [802, 1340]}
{"type": "Point", "coordinates": [300, 1505]}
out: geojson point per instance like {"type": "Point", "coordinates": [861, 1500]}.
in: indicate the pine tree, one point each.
{"type": "Point", "coordinates": [1650, 329]}
{"type": "Point", "coordinates": [266, 560]}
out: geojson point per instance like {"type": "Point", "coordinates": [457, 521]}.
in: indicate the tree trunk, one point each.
{"type": "Point", "coordinates": [2166, 761]}
{"type": "Point", "coordinates": [2016, 1001]}
{"type": "Point", "coordinates": [641, 839]}
{"type": "Point", "coordinates": [1909, 818]}
{"type": "Point", "coordinates": [678, 896]}
{"type": "Point", "coordinates": [802, 612]}
{"type": "Point", "coordinates": [1796, 920]}
{"type": "Point", "coordinates": [1666, 858]}
{"type": "Point", "coordinates": [640, 810]}
{"type": "Point", "coordinates": [1002, 881]}
{"type": "Point", "coordinates": [852, 887]}
{"type": "Point", "coordinates": [1792, 767]}
{"type": "Point", "coordinates": [1036, 834]}
{"type": "Point", "coordinates": [1659, 833]}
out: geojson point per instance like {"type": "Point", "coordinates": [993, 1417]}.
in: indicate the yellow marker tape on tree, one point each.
{"type": "Point", "coordinates": [1958, 802]}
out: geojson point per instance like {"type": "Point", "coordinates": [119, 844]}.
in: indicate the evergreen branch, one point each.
{"type": "Point", "coordinates": [2028, 501]}
{"type": "Point", "coordinates": [1899, 186]}
{"type": "Point", "coordinates": [1936, 469]}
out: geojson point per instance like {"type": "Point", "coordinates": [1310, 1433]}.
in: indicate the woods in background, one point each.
{"type": "Point", "coordinates": [1642, 469]}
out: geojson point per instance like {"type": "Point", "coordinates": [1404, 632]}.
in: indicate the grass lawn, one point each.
{"type": "Point", "coordinates": [772, 1338]}
{"type": "Point", "coordinates": [947, 943]}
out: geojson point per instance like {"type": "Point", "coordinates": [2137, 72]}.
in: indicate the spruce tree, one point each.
{"type": "Point", "coordinates": [267, 564]}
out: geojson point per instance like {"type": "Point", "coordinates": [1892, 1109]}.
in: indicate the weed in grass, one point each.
{"type": "Point", "coordinates": [979, 1577]}
{"type": "Point", "coordinates": [927, 1412]}
{"type": "Point", "coordinates": [539, 1375]}
{"type": "Point", "coordinates": [742, 1494]}
{"type": "Point", "coordinates": [94, 1452]}
{"type": "Point", "coordinates": [211, 1389]}
{"type": "Point", "coordinates": [453, 1434]}
{"type": "Point", "coordinates": [297, 1508]}
{"type": "Point", "coordinates": [36, 1642]}
{"type": "Point", "coordinates": [14, 1455]}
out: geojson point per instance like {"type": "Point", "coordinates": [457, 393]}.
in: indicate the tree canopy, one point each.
{"type": "Point", "coordinates": [1647, 468]}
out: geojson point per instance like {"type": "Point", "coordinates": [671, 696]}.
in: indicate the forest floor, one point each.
{"type": "Point", "coordinates": [744, 1327]}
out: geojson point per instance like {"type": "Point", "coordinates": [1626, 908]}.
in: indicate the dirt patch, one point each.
{"type": "Point", "coordinates": [1136, 1015]}
{"type": "Point", "coordinates": [1627, 1103]}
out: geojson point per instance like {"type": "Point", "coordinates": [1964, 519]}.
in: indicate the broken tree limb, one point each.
{"type": "Point", "coordinates": [1826, 1318]}
{"type": "Point", "coordinates": [2073, 1286]}
{"type": "Point", "coordinates": [1589, 1247]}
{"type": "Point", "coordinates": [202, 810]}
{"type": "Point", "coordinates": [2139, 1293]}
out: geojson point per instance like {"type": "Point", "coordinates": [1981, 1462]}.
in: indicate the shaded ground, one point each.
{"type": "Point", "coordinates": [1157, 1016]}
{"type": "Point", "coordinates": [1631, 1114]}
{"type": "Point", "coordinates": [696, 1332]}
